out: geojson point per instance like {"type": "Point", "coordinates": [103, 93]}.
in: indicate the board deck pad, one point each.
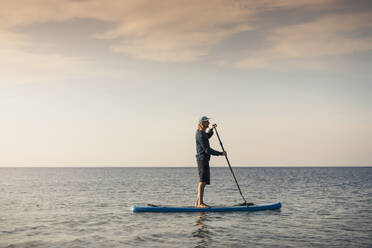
{"type": "Point", "coordinates": [165, 209]}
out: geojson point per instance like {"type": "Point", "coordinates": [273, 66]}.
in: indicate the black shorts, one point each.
{"type": "Point", "coordinates": [204, 171]}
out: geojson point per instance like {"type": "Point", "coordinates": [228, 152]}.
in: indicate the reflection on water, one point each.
{"type": "Point", "coordinates": [202, 234]}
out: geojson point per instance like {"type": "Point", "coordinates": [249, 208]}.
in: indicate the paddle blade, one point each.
{"type": "Point", "coordinates": [245, 204]}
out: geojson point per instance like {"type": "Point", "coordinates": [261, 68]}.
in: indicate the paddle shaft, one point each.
{"type": "Point", "coordinates": [228, 162]}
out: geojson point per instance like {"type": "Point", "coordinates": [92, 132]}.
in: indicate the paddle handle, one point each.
{"type": "Point", "coordinates": [228, 162]}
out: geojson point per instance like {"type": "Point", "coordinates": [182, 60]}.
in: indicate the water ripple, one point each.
{"type": "Point", "coordinates": [89, 207]}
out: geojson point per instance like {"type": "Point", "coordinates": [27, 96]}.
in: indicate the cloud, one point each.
{"type": "Point", "coordinates": [327, 37]}
{"type": "Point", "coordinates": [186, 30]}
{"type": "Point", "coordinates": [330, 35]}
{"type": "Point", "coordinates": [22, 67]}
{"type": "Point", "coordinates": [157, 30]}
{"type": "Point", "coordinates": [273, 4]}
{"type": "Point", "coordinates": [19, 64]}
{"type": "Point", "coordinates": [166, 45]}
{"type": "Point", "coordinates": [166, 30]}
{"type": "Point", "coordinates": [177, 31]}
{"type": "Point", "coordinates": [10, 39]}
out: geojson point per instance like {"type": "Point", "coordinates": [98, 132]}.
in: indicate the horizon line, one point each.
{"type": "Point", "coordinates": [194, 166]}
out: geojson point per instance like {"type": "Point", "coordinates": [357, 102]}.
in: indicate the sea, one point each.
{"type": "Point", "coordinates": [91, 207]}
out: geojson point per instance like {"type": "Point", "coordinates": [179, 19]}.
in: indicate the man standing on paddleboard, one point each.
{"type": "Point", "coordinates": [204, 152]}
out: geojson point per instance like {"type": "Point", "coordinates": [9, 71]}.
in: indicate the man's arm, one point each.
{"type": "Point", "coordinates": [204, 144]}
{"type": "Point", "coordinates": [210, 133]}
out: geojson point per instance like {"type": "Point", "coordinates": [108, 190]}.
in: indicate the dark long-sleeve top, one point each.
{"type": "Point", "coordinates": [203, 149]}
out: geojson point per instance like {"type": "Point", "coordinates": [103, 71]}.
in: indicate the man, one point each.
{"type": "Point", "coordinates": [204, 152]}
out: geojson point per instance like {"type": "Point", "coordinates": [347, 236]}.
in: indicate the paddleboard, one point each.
{"type": "Point", "coordinates": [165, 209]}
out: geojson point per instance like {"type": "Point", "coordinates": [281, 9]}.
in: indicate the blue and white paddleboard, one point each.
{"type": "Point", "coordinates": [165, 209]}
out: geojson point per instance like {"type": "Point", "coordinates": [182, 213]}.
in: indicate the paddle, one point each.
{"type": "Point", "coordinates": [232, 172]}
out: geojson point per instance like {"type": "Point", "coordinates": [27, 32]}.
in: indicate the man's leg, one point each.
{"type": "Point", "coordinates": [199, 202]}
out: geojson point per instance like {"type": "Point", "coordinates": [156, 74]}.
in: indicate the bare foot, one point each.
{"type": "Point", "coordinates": [203, 206]}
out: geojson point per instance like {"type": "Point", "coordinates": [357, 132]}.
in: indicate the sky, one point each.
{"type": "Point", "coordinates": [123, 83]}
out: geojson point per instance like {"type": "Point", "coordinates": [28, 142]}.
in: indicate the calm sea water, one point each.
{"type": "Point", "coordinates": [90, 207]}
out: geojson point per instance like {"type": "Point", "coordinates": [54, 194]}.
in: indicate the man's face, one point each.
{"type": "Point", "coordinates": [205, 124]}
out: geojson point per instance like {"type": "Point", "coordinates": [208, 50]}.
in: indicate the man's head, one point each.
{"type": "Point", "coordinates": [204, 123]}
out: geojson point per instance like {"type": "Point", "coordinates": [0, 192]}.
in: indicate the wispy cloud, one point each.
{"type": "Point", "coordinates": [161, 30]}
{"type": "Point", "coordinates": [186, 30]}
{"type": "Point", "coordinates": [271, 4]}
{"type": "Point", "coordinates": [329, 36]}
{"type": "Point", "coordinates": [176, 31]}
{"type": "Point", "coordinates": [19, 63]}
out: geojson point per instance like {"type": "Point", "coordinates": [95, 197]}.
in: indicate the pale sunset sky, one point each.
{"type": "Point", "coordinates": [123, 83]}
